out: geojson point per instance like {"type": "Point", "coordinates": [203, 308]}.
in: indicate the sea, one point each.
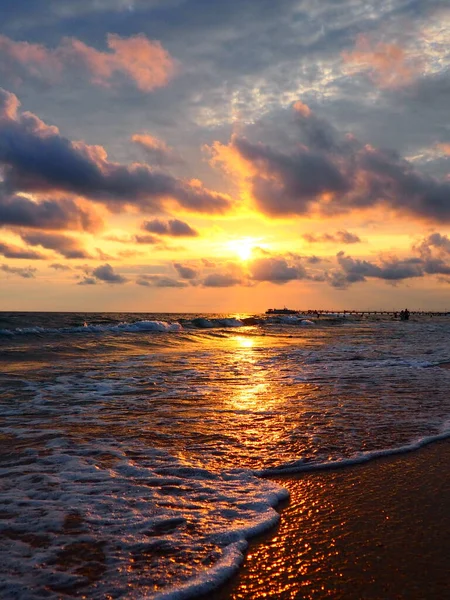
{"type": "Point", "coordinates": [139, 452]}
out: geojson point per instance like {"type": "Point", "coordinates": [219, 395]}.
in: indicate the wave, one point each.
{"type": "Point", "coordinates": [134, 506]}
{"type": "Point", "coordinates": [137, 327]}
{"type": "Point", "coordinates": [302, 466]}
{"type": "Point", "coordinates": [157, 325]}
{"type": "Point", "coordinates": [133, 327]}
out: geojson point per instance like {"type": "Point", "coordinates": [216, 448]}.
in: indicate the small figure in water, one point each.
{"type": "Point", "coordinates": [404, 315]}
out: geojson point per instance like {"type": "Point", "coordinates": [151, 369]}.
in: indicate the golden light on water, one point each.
{"type": "Point", "coordinates": [244, 342]}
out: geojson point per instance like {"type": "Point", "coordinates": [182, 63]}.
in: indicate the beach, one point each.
{"type": "Point", "coordinates": [380, 530]}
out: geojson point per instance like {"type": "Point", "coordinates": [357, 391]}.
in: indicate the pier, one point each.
{"type": "Point", "coordinates": [381, 313]}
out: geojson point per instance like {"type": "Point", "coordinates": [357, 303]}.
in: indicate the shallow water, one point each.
{"type": "Point", "coordinates": [133, 445]}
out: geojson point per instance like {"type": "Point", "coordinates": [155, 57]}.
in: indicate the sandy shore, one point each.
{"type": "Point", "coordinates": [379, 530]}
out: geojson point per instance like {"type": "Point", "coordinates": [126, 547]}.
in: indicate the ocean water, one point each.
{"type": "Point", "coordinates": [136, 450]}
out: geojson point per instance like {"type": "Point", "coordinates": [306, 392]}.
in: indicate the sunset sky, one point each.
{"type": "Point", "coordinates": [224, 155]}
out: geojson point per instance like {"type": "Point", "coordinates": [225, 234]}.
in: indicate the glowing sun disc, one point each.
{"type": "Point", "coordinates": [242, 247]}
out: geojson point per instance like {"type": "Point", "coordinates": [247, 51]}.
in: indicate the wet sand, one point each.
{"type": "Point", "coordinates": [379, 530]}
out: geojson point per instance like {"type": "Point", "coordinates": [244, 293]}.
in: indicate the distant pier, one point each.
{"type": "Point", "coordinates": [382, 313]}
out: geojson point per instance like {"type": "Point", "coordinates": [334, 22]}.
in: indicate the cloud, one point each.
{"type": "Point", "coordinates": [221, 280]}
{"type": "Point", "coordinates": [392, 269]}
{"type": "Point", "coordinates": [435, 240]}
{"type": "Point", "coordinates": [19, 211]}
{"type": "Point", "coordinates": [102, 255]}
{"type": "Point", "coordinates": [64, 245]}
{"type": "Point", "coordinates": [160, 281]}
{"type": "Point", "coordinates": [37, 158]}
{"type": "Point", "coordinates": [9, 251]}
{"type": "Point", "coordinates": [173, 227]}
{"type": "Point", "coordinates": [157, 151]}
{"type": "Point", "coordinates": [185, 272]}
{"type": "Point", "coordinates": [26, 273]}
{"type": "Point", "coordinates": [434, 251]}
{"type": "Point", "coordinates": [60, 267]}
{"type": "Point", "coordinates": [282, 183]}
{"type": "Point", "coordinates": [106, 273]}
{"type": "Point", "coordinates": [444, 148]}
{"type": "Point", "coordinates": [332, 174]}
{"type": "Point", "coordinates": [147, 239]}
{"type": "Point", "coordinates": [387, 64]}
{"type": "Point", "coordinates": [275, 270]}
{"type": "Point", "coordinates": [88, 281]}
{"type": "Point", "coordinates": [144, 62]}
{"type": "Point", "coordinates": [137, 239]}
{"type": "Point", "coordinates": [341, 237]}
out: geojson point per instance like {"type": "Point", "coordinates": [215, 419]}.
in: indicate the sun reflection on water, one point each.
{"type": "Point", "coordinates": [255, 396]}
{"type": "Point", "coordinates": [251, 391]}
{"type": "Point", "coordinates": [244, 342]}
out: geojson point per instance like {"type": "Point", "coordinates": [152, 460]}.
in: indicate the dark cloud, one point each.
{"type": "Point", "coordinates": [173, 227]}
{"type": "Point", "coordinates": [19, 211]}
{"type": "Point", "coordinates": [436, 266]}
{"type": "Point", "coordinates": [434, 251]}
{"type": "Point", "coordinates": [60, 267]}
{"type": "Point", "coordinates": [64, 245]}
{"type": "Point", "coordinates": [147, 239]}
{"type": "Point", "coordinates": [185, 272]}
{"type": "Point", "coordinates": [436, 242]}
{"type": "Point", "coordinates": [341, 237]}
{"type": "Point", "coordinates": [289, 183]}
{"type": "Point", "coordinates": [40, 159]}
{"type": "Point", "coordinates": [160, 281]}
{"type": "Point", "coordinates": [275, 270]}
{"type": "Point", "coordinates": [106, 273]}
{"type": "Point", "coordinates": [152, 240]}
{"type": "Point", "coordinates": [356, 270]}
{"type": "Point", "coordinates": [9, 251]}
{"type": "Point", "coordinates": [221, 280]}
{"type": "Point", "coordinates": [25, 272]}
{"type": "Point", "coordinates": [88, 281]}
{"type": "Point", "coordinates": [341, 177]}
{"type": "Point", "coordinates": [313, 260]}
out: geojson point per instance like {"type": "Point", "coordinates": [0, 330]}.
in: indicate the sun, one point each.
{"type": "Point", "coordinates": [242, 247]}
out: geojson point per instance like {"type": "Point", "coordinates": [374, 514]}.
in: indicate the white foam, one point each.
{"type": "Point", "coordinates": [210, 579]}
{"type": "Point", "coordinates": [302, 466]}
{"type": "Point", "coordinates": [128, 507]}
{"type": "Point", "coordinates": [135, 327]}
{"type": "Point", "coordinates": [230, 323]}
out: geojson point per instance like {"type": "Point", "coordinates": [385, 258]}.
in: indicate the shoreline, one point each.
{"type": "Point", "coordinates": [375, 530]}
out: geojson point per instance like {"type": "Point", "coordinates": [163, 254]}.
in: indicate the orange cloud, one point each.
{"type": "Point", "coordinates": [301, 108]}
{"type": "Point", "coordinates": [444, 148]}
{"type": "Point", "coordinates": [149, 141]}
{"type": "Point", "coordinates": [157, 150]}
{"type": "Point", "coordinates": [143, 61]}
{"type": "Point", "coordinates": [35, 58]}
{"type": "Point", "coordinates": [228, 158]}
{"type": "Point", "coordinates": [387, 64]}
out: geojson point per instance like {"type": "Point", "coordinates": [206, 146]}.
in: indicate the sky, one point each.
{"type": "Point", "coordinates": [224, 156]}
